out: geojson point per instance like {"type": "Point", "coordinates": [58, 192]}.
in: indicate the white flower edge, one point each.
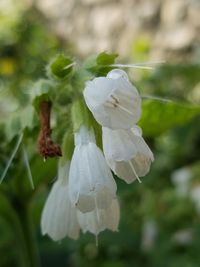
{"type": "Point", "coordinates": [127, 153]}
{"type": "Point", "coordinates": [59, 218]}
{"type": "Point", "coordinates": [98, 220]}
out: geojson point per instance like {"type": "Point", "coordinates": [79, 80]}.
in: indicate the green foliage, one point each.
{"type": "Point", "coordinates": [100, 64]}
{"type": "Point", "coordinates": [158, 116]}
{"type": "Point", "coordinates": [68, 145]}
{"type": "Point", "coordinates": [173, 132]}
{"type": "Point", "coordinates": [41, 91]}
{"type": "Point", "coordinates": [60, 67]}
{"type": "Point", "coordinates": [81, 115]}
{"type": "Point", "coordinates": [20, 121]}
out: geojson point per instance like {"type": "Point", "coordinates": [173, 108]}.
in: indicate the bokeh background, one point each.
{"type": "Point", "coordinates": [160, 219]}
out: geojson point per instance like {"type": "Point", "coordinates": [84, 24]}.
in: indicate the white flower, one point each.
{"type": "Point", "coordinates": [100, 219]}
{"type": "Point", "coordinates": [113, 100]}
{"type": "Point", "coordinates": [126, 153]}
{"type": "Point", "coordinates": [91, 184]}
{"type": "Point", "coordinates": [59, 217]}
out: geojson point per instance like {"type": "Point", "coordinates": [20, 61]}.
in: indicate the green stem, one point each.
{"type": "Point", "coordinates": [31, 250]}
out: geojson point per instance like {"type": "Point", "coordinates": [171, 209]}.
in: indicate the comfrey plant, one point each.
{"type": "Point", "coordinates": [84, 195]}
{"type": "Point", "coordinates": [99, 109]}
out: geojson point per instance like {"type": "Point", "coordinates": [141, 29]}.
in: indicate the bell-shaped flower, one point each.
{"type": "Point", "coordinates": [113, 100]}
{"type": "Point", "coordinates": [59, 217]}
{"type": "Point", "coordinates": [98, 220]}
{"type": "Point", "coordinates": [91, 183]}
{"type": "Point", "coordinates": [126, 153]}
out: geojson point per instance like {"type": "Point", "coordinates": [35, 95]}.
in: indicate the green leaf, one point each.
{"type": "Point", "coordinates": [159, 116]}
{"type": "Point", "coordinates": [106, 59]}
{"type": "Point", "coordinates": [20, 120]}
{"type": "Point", "coordinates": [67, 146]}
{"type": "Point", "coordinates": [100, 64]}
{"type": "Point", "coordinates": [60, 67]}
{"type": "Point", "coordinates": [41, 92]}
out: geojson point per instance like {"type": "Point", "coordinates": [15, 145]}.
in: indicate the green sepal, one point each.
{"type": "Point", "coordinates": [67, 146]}
{"type": "Point", "coordinates": [100, 64]}
{"type": "Point", "coordinates": [60, 67]}
{"type": "Point", "coordinates": [80, 115]}
{"type": "Point", "coordinates": [41, 91]}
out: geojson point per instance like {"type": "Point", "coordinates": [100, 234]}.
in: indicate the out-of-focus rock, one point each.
{"type": "Point", "coordinates": [178, 38]}
{"type": "Point", "coordinates": [194, 14]}
{"type": "Point", "coordinates": [113, 25]}
{"type": "Point", "coordinates": [173, 11]}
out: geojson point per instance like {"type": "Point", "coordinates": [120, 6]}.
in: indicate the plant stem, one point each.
{"type": "Point", "coordinates": [30, 253]}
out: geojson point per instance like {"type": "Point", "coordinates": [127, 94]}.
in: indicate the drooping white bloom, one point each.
{"type": "Point", "coordinates": [91, 183]}
{"type": "Point", "coordinates": [113, 100]}
{"type": "Point", "coordinates": [59, 217]}
{"type": "Point", "coordinates": [126, 153]}
{"type": "Point", "coordinates": [98, 220]}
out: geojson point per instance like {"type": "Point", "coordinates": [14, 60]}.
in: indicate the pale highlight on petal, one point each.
{"type": "Point", "coordinates": [117, 73]}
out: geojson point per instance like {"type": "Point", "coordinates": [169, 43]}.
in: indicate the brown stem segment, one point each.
{"type": "Point", "coordinates": [46, 147]}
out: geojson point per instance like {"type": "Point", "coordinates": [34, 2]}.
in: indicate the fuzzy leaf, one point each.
{"type": "Point", "coordinates": [60, 67]}
{"type": "Point", "coordinates": [159, 116]}
{"type": "Point", "coordinates": [100, 64]}
{"type": "Point", "coordinates": [41, 92]}
{"type": "Point", "coordinates": [19, 121]}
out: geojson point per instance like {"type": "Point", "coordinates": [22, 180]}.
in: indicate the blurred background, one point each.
{"type": "Point", "coordinates": [160, 219]}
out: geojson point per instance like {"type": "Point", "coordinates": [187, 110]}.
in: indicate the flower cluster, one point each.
{"type": "Point", "coordinates": [84, 195]}
{"type": "Point", "coordinates": [116, 105]}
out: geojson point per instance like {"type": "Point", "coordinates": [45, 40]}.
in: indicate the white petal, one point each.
{"type": "Point", "coordinates": [100, 219]}
{"type": "Point", "coordinates": [115, 103]}
{"type": "Point", "coordinates": [140, 143]}
{"type": "Point", "coordinates": [118, 144]}
{"type": "Point", "coordinates": [98, 91]}
{"type": "Point", "coordinates": [117, 73]}
{"type": "Point", "coordinates": [141, 164]}
{"type": "Point", "coordinates": [123, 170]}
{"type": "Point", "coordinates": [59, 218]}
{"type": "Point", "coordinates": [113, 216]}
{"type": "Point", "coordinates": [126, 153]}
{"type": "Point", "coordinates": [90, 180]}
{"type": "Point", "coordinates": [84, 136]}
{"type": "Point", "coordinates": [63, 171]}
{"type": "Point", "coordinates": [130, 170]}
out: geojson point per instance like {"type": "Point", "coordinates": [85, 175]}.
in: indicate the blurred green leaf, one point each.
{"type": "Point", "coordinates": [19, 121]}
{"type": "Point", "coordinates": [100, 64]}
{"type": "Point", "coordinates": [106, 59]}
{"type": "Point", "coordinates": [159, 116]}
{"type": "Point", "coordinates": [60, 67]}
{"type": "Point", "coordinates": [41, 92]}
